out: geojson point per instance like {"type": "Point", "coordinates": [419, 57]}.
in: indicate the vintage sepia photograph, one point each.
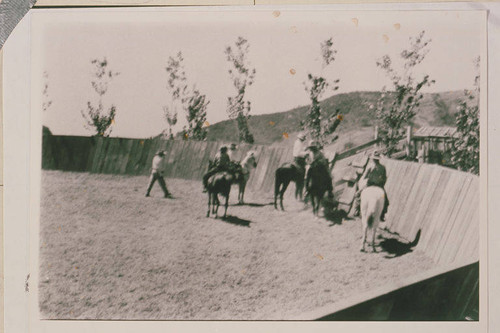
{"type": "Point", "coordinates": [258, 164]}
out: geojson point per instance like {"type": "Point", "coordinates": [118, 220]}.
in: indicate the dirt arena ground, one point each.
{"type": "Point", "coordinates": [107, 252]}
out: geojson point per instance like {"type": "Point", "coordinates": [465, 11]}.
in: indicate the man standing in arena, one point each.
{"type": "Point", "coordinates": [157, 170]}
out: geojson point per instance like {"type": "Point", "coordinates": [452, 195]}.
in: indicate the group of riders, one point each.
{"type": "Point", "coordinates": [305, 156]}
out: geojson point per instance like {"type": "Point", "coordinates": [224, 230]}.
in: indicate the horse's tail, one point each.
{"type": "Point", "coordinates": [370, 218]}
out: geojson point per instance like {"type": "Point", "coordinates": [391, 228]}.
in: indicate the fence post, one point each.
{"type": "Point", "coordinates": [408, 141]}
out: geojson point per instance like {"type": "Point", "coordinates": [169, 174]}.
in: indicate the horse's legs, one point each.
{"type": "Point", "coordinates": [215, 204]}
{"type": "Point", "coordinates": [243, 185]}
{"type": "Point", "coordinates": [209, 202]}
{"type": "Point", "coordinates": [374, 230]}
{"type": "Point", "coordinates": [239, 192]}
{"type": "Point", "coordinates": [299, 188]}
{"type": "Point", "coordinates": [282, 191]}
{"type": "Point", "coordinates": [277, 185]}
{"type": "Point", "coordinates": [226, 204]}
{"type": "Point", "coordinates": [365, 230]}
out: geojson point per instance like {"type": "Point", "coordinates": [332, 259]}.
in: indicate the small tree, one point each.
{"type": "Point", "coordinates": [465, 153]}
{"type": "Point", "coordinates": [46, 100]}
{"type": "Point", "coordinates": [196, 116]}
{"type": "Point", "coordinates": [97, 117]}
{"type": "Point", "coordinates": [396, 109]}
{"type": "Point", "coordinates": [315, 122]}
{"type": "Point", "coordinates": [242, 76]}
{"type": "Point", "coordinates": [188, 99]}
{"type": "Point", "coordinates": [171, 118]}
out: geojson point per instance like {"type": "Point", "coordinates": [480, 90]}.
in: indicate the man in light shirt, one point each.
{"type": "Point", "coordinates": [299, 149]}
{"type": "Point", "coordinates": [157, 169]}
{"type": "Point", "coordinates": [232, 152]}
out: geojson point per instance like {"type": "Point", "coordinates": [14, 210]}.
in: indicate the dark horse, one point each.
{"type": "Point", "coordinates": [317, 184]}
{"type": "Point", "coordinates": [289, 172]}
{"type": "Point", "coordinates": [220, 183]}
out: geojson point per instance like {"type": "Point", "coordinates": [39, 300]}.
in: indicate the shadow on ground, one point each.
{"type": "Point", "coordinates": [236, 220]}
{"type": "Point", "coordinates": [335, 216]}
{"type": "Point", "coordinates": [396, 248]}
{"type": "Point", "coordinates": [253, 204]}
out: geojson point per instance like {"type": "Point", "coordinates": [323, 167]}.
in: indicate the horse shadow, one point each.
{"type": "Point", "coordinates": [396, 248]}
{"type": "Point", "coordinates": [236, 221]}
{"type": "Point", "coordinates": [253, 204]}
{"type": "Point", "coordinates": [332, 213]}
{"type": "Point", "coordinates": [335, 216]}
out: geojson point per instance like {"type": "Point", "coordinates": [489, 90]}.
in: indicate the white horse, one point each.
{"type": "Point", "coordinates": [372, 203]}
{"type": "Point", "coordinates": [247, 164]}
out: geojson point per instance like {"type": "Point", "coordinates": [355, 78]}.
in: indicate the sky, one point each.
{"type": "Point", "coordinates": [284, 48]}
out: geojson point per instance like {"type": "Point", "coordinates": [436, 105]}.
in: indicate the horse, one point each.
{"type": "Point", "coordinates": [247, 164]}
{"type": "Point", "coordinates": [285, 174]}
{"type": "Point", "coordinates": [372, 203]}
{"type": "Point", "coordinates": [317, 185]}
{"type": "Point", "coordinates": [220, 183]}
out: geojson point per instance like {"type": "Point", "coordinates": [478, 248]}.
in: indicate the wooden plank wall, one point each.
{"type": "Point", "coordinates": [441, 202]}
{"type": "Point", "coordinates": [184, 159]}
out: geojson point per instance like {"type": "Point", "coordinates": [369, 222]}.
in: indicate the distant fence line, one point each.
{"type": "Point", "coordinates": [443, 203]}
{"type": "Point", "coordinates": [184, 159]}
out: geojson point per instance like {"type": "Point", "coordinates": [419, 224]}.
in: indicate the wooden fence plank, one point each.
{"type": "Point", "coordinates": [449, 233]}
{"type": "Point", "coordinates": [453, 196]}
{"type": "Point", "coordinates": [445, 201]}
{"type": "Point", "coordinates": [433, 208]}
{"type": "Point", "coordinates": [401, 200]}
{"type": "Point", "coordinates": [465, 215]}
{"type": "Point", "coordinates": [425, 198]}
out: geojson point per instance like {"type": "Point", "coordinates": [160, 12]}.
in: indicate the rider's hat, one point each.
{"type": "Point", "coordinates": [313, 145]}
{"type": "Point", "coordinates": [375, 155]}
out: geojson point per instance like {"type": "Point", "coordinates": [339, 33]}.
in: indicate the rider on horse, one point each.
{"type": "Point", "coordinates": [318, 159]}
{"type": "Point", "coordinates": [221, 162]}
{"type": "Point", "coordinates": [375, 175]}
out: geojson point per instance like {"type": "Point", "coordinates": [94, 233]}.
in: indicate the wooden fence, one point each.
{"type": "Point", "coordinates": [441, 202]}
{"type": "Point", "coordinates": [184, 159]}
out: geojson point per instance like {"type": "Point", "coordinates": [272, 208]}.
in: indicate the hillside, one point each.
{"type": "Point", "coordinates": [435, 110]}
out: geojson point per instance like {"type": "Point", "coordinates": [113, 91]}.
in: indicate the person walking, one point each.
{"type": "Point", "coordinates": [157, 170]}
